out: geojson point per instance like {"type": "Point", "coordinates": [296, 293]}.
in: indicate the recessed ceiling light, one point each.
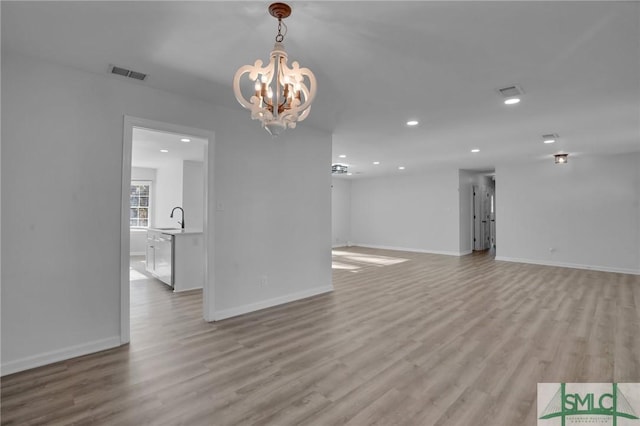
{"type": "Point", "coordinates": [401, 168]}
{"type": "Point", "coordinates": [550, 138]}
{"type": "Point", "coordinates": [342, 156]}
{"type": "Point", "coordinates": [375, 163]}
{"type": "Point", "coordinates": [511, 94]}
{"type": "Point", "coordinates": [185, 140]}
{"type": "Point", "coordinates": [561, 158]}
{"type": "Point", "coordinates": [164, 150]}
{"type": "Point", "coordinates": [349, 174]}
{"type": "Point", "coordinates": [412, 123]}
{"type": "Point", "coordinates": [475, 150]}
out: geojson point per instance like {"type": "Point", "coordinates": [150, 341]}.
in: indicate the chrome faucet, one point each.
{"type": "Point", "coordinates": [182, 210]}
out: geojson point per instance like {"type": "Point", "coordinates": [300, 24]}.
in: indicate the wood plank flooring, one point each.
{"type": "Point", "coordinates": [405, 339]}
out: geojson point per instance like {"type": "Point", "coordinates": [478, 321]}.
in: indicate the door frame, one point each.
{"type": "Point", "coordinates": [130, 123]}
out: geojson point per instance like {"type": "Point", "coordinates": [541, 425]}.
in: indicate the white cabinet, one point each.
{"type": "Point", "coordinates": [176, 257]}
{"type": "Point", "coordinates": [150, 261]}
{"type": "Point", "coordinates": [164, 258]}
{"type": "Point", "coordinates": [188, 261]}
{"type": "Point", "coordinates": [159, 260]}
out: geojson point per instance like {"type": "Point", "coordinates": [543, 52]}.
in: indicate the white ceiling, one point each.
{"type": "Point", "coordinates": [146, 146]}
{"type": "Point", "coordinates": [379, 64]}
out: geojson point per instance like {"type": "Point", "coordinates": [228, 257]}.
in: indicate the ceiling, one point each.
{"type": "Point", "coordinates": [379, 64]}
{"type": "Point", "coordinates": [148, 145]}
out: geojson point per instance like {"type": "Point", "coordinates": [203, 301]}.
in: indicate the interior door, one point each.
{"type": "Point", "coordinates": [482, 197]}
{"type": "Point", "coordinates": [492, 217]}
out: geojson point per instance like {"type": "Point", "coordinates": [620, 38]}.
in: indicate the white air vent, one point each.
{"type": "Point", "coordinates": [511, 91]}
{"type": "Point", "coordinates": [113, 69]}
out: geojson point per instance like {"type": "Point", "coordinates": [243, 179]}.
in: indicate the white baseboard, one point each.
{"type": "Point", "coordinates": [414, 250]}
{"type": "Point", "coordinates": [252, 307]}
{"type": "Point", "coordinates": [182, 290]}
{"type": "Point", "coordinates": [59, 355]}
{"type": "Point", "coordinates": [569, 265]}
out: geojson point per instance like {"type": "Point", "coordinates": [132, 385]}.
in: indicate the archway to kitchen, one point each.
{"type": "Point", "coordinates": [167, 183]}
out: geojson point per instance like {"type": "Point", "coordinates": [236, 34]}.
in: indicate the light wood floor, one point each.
{"type": "Point", "coordinates": [405, 338]}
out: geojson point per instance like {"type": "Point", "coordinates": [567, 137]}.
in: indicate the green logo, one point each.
{"type": "Point", "coordinates": [587, 403]}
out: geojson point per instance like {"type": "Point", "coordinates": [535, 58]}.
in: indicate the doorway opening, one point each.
{"type": "Point", "coordinates": [484, 212]}
{"type": "Point", "coordinates": [167, 185]}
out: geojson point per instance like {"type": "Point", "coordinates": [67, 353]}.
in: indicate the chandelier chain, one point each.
{"type": "Point", "coordinates": [280, 36]}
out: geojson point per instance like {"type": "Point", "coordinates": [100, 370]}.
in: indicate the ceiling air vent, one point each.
{"type": "Point", "coordinates": [127, 73]}
{"type": "Point", "coordinates": [511, 91]}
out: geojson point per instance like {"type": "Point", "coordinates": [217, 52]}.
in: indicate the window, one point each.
{"type": "Point", "coordinates": [139, 204]}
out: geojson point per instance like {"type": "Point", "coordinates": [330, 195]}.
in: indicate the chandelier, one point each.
{"type": "Point", "coordinates": [282, 96]}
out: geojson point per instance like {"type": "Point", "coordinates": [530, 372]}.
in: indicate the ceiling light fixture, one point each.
{"type": "Point", "coordinates": [412, 123]}
{"type": "Point", "coordinates": [401, 168]}
{"type": "Point", "coordinates": [164, 150]}
{"type": "Point", "coordinates": [550, 138]}
{"type": "Point", "coordinates": [282, 95]}
{"type": "Point", "coordinates": [475, 150]}
{"type": "Point", "coordinates": [338, 169]}
{"type": "Point", "coordinates": [511, 94]}
{"type": "Point", "coordinates": [185, 140]}
{"type": "Point", "coordinates": [561, 158]}
{"type": "Point", "coordinates": [375, 163]}
{"type": "Point", "coordinates": [342, 156]}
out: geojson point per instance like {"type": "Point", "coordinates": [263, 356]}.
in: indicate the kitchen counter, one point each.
{"type": "Point", "coordinates": [176, 257]}
{"type": "Point", "coordinates": [177, 231]}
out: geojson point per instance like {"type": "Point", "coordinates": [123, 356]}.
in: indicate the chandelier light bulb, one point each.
{"type": "Point", "coordinates": [284, 93]}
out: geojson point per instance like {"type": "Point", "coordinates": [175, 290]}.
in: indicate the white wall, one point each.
{"type": "Point", "coordinates": [143, 173]}
{"type": "Point", "coordinates": [62, 141]}
{"type": "Point", "coordinates": [409, 212]}
{"type": "Point", "coordinates": [138, 237]}
{"type": "Point", "coordinates": [193, 193]}
{"type": "Point", "coordinates": [168, 193]}
{"type": "Point", "coordinates": [271, 222]}
{"type": "Point", "coordinates": [582, 214]}
{"type": "Point", "coordinates": [340, 212]}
